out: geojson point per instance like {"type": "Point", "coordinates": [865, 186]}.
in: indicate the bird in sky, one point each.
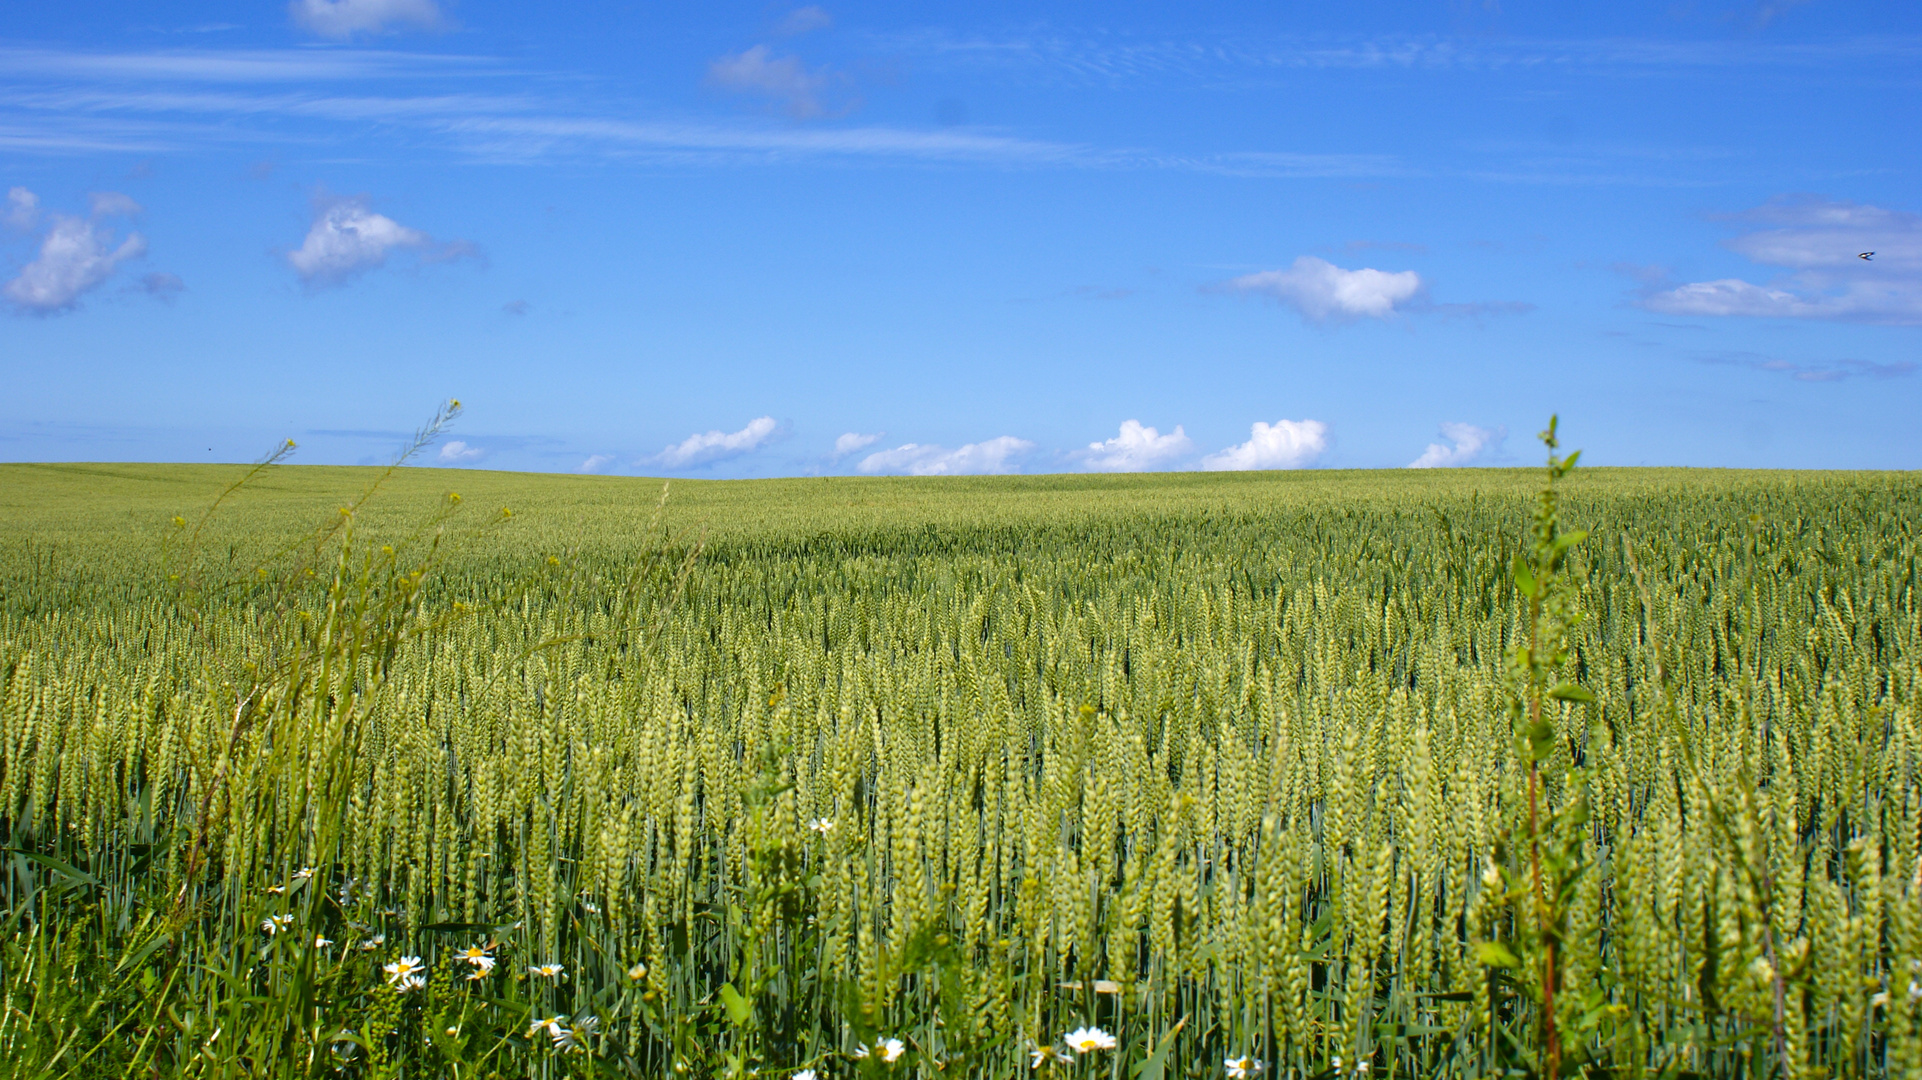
{"type": "Point", "coordinates": [1866, 256]}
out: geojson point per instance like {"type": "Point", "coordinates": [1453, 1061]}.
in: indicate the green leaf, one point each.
{"type": "Point", "coordinates": [1496, 954]}
{"type": "Point", "coordinates": [1156, 1065]}
{"type": "Point", "coordinates": [1524, 577]}
{"type": "Point", "coordinates": [74, 876]}
{"type": "Point", "coordinates": [1570, 538]}
{"type": "Point", "coordinates": [739, 1011]}
{"type": "Point", "coordinates": [1541, 739]}
{"type": "Point", "coordinates": [1569, 691]}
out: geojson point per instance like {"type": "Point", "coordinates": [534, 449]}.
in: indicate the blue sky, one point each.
{"type": "Point", "coordinates": [777, 239]}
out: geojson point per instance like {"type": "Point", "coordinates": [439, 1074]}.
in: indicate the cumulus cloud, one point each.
{"type": "Point", "coordinates": [596, 462]}
{"type": "Point", "coordinates": [347, 239]}
{"type": "Point", "coordinates": [786, 81]}
{"type": "Point", "coordinates": [854, 440]}
{"type": "Point", "coordinates": [1284, 444]}
{"type": "Point", "coordinates": [23, 208]}
{"type": "Point", "coordinates": [712, 446]}
{"type": "Point", "coordinates": [460, 453]}
{"type": "Point", "coordinates": [1818, 243]}
{"type": "Point", "coordinates": [76, 256]}
{"type": "Point", "coordinates": [993, 456]}
{"type": "Point", "coordinates": [1137, 449]}
{"type": "Point", "coordinates": [1324, 292]}
{"type": "Point", "coordinates": [804, 19]}
{"type": "Point", "coordinates": [345, 18]}
{"type": "Point", "coordinates": [1466, 444]}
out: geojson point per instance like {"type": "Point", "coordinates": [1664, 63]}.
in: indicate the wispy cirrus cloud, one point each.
{"type": "Point", "coordinates": [1820, 243]}
{"type": "Point", "coordinates": [1811, 372]}
{"type": "Point", "coordinates": [991, 456]}
{"type": "Point", "coordinates": [72, 101]}
{"type": "Point", "coordinates": [348, 18]}
{"type": "Point", "coordinates": [237, 66]}
{"type": "Point", "coordinates": [1078, 58]}
{"type": "Point", "coordinates": [484, 126]}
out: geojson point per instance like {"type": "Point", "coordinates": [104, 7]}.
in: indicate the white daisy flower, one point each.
{"type": "Point", "coordinates": [891, 1050]}
{"type": "Point", "coordinates": [1242, 1068]}
{"type": "Point", "coordinates": [548, 971]}
{"type": "Point", "coordinates": [822, 825]}
{"type": "Point", "coordinates": [575, 1037]}
{"type": "Point", "coordinates": [1088, 1039]}
{"type": "Point", "coordinates": [554, 1025]}
{"type": "Point", "coordinates": [804, 1074]}
{"type": "Point", "coordinates": [402, 970]}
{"type": "Point", "coordinates": [1043, 1055]}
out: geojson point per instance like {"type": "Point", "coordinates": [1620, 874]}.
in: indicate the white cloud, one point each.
{"type": "Point", "coordinates": [596, 462]}
{"type": "Point", "coordinates": [782, 78]}
{"type": "Point", "coordinates": [345, 18]}
{"type": "Point", "coordinates": [716, 445]}
{"type": "Point", "coordinates": [1285, 444]}
{"type": "Point", "coordinates": [460, 453]}
{"type": "Point", "coordinates": [113, 204]}
{"type": "Point", "coordinates": [1466, 443]}
{"type": "Point", "coordinates": [1136, 449]}
{"type": "Point", "coordinates": [803, 19]}
{"type": "Point", "coordinates": [992, 456]}
{"type": "Point", "coordinates": [23, 208]}
{"type": "Point", "coordinates": [1819, 242]}
{"type": "Point", "coordinates": [854, 440]}
{"type": "Point", "coordinates": [299, 65]}
{"type": "Point", "coordinates": [347, 238]}
{"type": "Point", "coordinates": [76, 255]}
{"type": "Point", "coordinates": [1322, 291]}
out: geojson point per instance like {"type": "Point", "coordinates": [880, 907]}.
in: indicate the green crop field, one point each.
{"type": "Point", "coordinates": [1276, 773]}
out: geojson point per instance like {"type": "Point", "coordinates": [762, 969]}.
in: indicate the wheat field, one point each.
{"type": "Point", "coordinates": [503, 775]}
